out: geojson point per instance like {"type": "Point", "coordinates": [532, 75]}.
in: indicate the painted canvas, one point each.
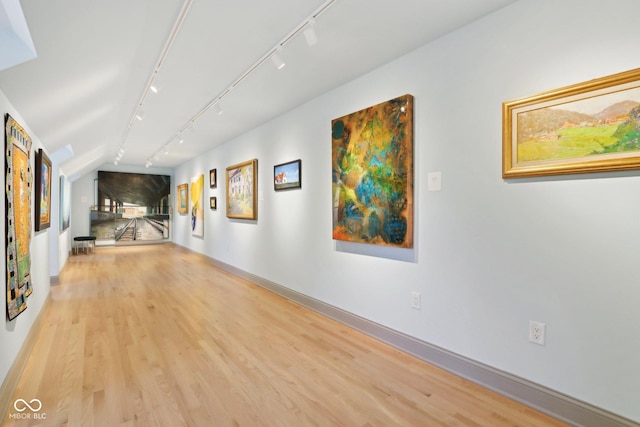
{"type": "Point", "coordinates": [42, 191]}
{"type": "Point", "coordinates": [65, 202]}
{"type": "Point", "coordinates": [372, 174]}
{"type": "Point", "coordinates": [588, 127]}
{"type": "Point", "coordinates": [197, 207]}
{"type": "Point", "coordinates": [183, 196]}
{"type": "Point", "coordinates": [242, 184]}
{"type": "Point", "coordinates": [131, 208]}
{"type": "Point", "coordinates": [18, 183]}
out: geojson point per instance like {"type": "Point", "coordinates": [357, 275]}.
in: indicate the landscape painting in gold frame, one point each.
{"type": "Point", "coordinates": [588, 127]}
{"type": "Point", "coordinates": [183, 196]}
{"type": "Point", "coordinates": [242, 185]}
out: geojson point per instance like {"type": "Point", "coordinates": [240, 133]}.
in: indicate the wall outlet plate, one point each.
{"type": "Point", "coordinates": [537, 332]}
{"type": "Point", "coordinates": [415, 300]}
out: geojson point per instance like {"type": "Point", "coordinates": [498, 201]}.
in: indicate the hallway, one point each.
{"type": "Point", "coordinates": [157, 336]}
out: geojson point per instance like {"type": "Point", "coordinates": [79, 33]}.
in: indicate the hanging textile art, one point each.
{"type": "Point", "coordinates": [18, 213]}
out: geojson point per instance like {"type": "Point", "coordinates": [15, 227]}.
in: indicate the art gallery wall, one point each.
{"type": "Point", "coordinates": [13, 333]}
{"type": "Point", "coordinates": [490, 255]}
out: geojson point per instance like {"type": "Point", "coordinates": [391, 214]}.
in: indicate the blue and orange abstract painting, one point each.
{"type": "Point", "coordinates": [372, 174]}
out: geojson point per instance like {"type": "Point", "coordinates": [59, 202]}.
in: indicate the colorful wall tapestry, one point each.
{"type": "Point", "coordinates": [372, 174]}
{"type": "Point", "coordinates": [18, 213]}
{"type": "Point", "coordinates": [197, 207]}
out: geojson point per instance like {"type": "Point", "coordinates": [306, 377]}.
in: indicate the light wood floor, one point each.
{"type": "Point", "coordinates": [156, 336]}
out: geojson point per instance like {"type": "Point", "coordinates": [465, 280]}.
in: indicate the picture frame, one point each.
{"type": "Point", "coordinates": [42, 191]}
{"type": "Point", "coordinates": [183, 199]}
{"type": "Point", "coordinates": [581, 128]}
{"type": "Point", "coordinates": [242, 185]}
{"type": "Point", "coordinates": [213, 203]}
{"type": "Point", "coordinates": [213, 178]}
{"type": "Point", "coordinates": [287, 176]}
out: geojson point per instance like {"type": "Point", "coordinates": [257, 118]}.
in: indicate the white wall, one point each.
{"type": "Point", "coordinates": [14, 332]}
{"type": "Point", "coordinates": [489, 254]}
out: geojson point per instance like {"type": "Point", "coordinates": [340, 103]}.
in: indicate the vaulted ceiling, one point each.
{"type": "Point", "coordinates": [97, 59]}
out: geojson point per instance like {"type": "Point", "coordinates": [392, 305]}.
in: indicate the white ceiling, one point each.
{"type": "Point", "coordinates": [96, 58]}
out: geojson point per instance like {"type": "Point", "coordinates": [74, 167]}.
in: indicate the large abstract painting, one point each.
{"type": "Point", "coordinates": [18, 213]}
{"type": "Point", "coordinates": [372, 174]}
{"type": "Point", "coordinates": [197, 208]}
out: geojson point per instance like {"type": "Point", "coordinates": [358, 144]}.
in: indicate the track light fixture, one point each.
{"type": "Point", "coordinates": [277, 60]}
{"type": "Point", "coordinates": [310, 34]}
{"type": "Point", "coordinates": [139, 114]}
{"type": "Point", "coordinates": [306, 27]}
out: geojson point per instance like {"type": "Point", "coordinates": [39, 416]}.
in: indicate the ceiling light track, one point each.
{"type": "Point", "coordinates": [137, 114]}
{"type": "Point", "coordinates": [275, 50]}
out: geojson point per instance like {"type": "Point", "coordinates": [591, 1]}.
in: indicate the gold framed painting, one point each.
{"type": "Point", "coordinates": [587, 127]}
{"type": "Point", "coordinates": [183, 197]}
{"type": "Point", "coordinates": [242, 185]}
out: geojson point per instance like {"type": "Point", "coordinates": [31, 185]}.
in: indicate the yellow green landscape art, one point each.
{"type": "Point", "coordinates": [606, 124]}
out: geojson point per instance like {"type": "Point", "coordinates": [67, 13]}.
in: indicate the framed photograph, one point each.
{"type": "Point", "coordinates": [587, 127]}
{"type": "Point", "coordinates": [372, 174]}
{"type": "Point", "coordinates": [242, 185]}
{"type": "Point", "coordinates": [213, 179]}
{"type": "Point", "coordinates": [287, 176]}
{"type": "Point", "coordinates": [183, 197]}
{"type": "Point", "coordinates": [213, 203]}
{"type": "Point", "coordinates": [42, 191]}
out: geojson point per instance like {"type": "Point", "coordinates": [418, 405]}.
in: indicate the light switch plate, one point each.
{"type": "Point", "coordinates": [434, 181]}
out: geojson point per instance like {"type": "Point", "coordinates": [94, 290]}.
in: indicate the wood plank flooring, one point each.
{"type": "Point", "coordinates": [157, 336]}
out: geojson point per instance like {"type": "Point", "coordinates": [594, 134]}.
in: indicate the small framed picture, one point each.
{"type": "Point", "coordinates": [287, 176]}
{"type": "Point", "coordinates": [213, 203]}
{"type": "Point", "coordinates": [213, 178]}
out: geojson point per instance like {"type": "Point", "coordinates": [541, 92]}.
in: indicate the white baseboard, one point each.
{"type": "Point", "coordinates": [544, 399]}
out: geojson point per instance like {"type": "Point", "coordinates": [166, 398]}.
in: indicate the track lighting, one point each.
{"type": "Point", "coordinates": [218, 109]}
{"type": "Point", "coordinates": [139, 114]}
{"type": "Point", "coordinates": [277, 60]}
{"type": "Point", "coordinates": [310, 34]}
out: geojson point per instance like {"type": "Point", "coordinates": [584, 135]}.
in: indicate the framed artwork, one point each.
{"type": "Point", "coordinates": [242, 184]}
{"type": "Point", "coordinates": [213, 203]}
{"type": "Point", "coordinates": [588, 127]}
{"type": "Point", "coordinates": [18, 181]}
{"type": "Point", "coordinates": [42, 191]}
{"type": "Point", "coordinates": [213, 178]}
{"type": "Point", "coordinates": [287, 176]}
{"type": "Point", "coordinates": [197, 206]}
{"type": "Point", "coordinates": [183, 195]}
{"type": "Point", "coordinates": [65, 202]}
{"type": "Point", "coordinates": [125, 201]}
{"type": "Point", "coordinates": [372, 174]}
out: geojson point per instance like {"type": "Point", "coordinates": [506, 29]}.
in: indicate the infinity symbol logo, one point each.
{"type": "Point", "coordinates": [21, 405]}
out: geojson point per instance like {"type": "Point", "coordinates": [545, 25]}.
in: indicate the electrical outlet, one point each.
{"type": "Point", "coordinates": [537, 332]}
{"type": "Point", "coordinates": [415, 300]}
